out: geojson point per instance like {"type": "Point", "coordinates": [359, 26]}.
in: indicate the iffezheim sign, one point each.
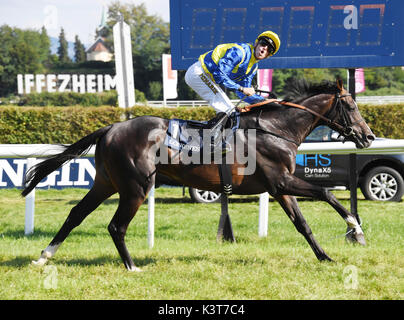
{"type": "Point", "coordinates": [78, 173]}
{"type": "Point", "coordinates": [91, 83]}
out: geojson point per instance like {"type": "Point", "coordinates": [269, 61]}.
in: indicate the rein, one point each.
{"type": "Point", "coordinates": [345, 129]}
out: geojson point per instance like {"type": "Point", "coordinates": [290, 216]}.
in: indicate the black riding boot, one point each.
{"type": "Point", "coordinates": [215, 126]}
{"type": "Point", "coordinates": [218, 121]}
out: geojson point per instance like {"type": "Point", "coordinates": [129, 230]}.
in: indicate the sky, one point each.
{"type": "Point", "coordinates": [79, 17]}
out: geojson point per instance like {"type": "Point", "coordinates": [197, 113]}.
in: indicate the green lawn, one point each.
{"type": "Point", "coordinates": [188, 263]}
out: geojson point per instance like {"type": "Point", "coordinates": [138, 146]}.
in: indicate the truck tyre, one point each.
{"type": "Point", "coordinates": [383, 184]}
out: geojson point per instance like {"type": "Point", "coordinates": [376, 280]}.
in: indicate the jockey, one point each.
{"type": "Point", "coordinates": [232, 65]}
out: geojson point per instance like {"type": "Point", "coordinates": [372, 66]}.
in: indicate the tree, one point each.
{"type": "Point", "coordinates": [79, 50]}
{"type": "Point", "coordinates": [21, 52]}
{"type": "Point", "coordinates": [150, 39]}
{"type": "Point", "coordinates": [155, 91]}
{"type": "Point", "coordinates": [44, 45]}
{"type": "Point", "coordinates": [63, 48]}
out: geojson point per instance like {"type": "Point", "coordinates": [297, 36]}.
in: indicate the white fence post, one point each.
{"type": "Point", "coordinates": [150, 220]}
{"type": "Point", "coordinates": [125, 85]}
{"type": "Point", "coordinates": [263, 215]}
{"type": "Point", "coordinates": [30, 204]}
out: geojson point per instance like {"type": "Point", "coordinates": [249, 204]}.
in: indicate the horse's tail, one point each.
{"type": "Point", "coordinates": [42, 169]}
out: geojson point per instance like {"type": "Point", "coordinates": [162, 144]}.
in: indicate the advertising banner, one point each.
{"type": "Point", "coordinates": [170, 79]}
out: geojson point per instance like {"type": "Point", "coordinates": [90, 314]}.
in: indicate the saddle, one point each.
{"type": "Point", "coordinates": [189, 136]}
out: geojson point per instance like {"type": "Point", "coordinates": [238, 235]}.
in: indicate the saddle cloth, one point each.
{"type": "Point", "coordinates": [190, 136]}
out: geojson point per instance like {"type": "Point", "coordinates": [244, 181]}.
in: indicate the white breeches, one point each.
{"type": "Point", "coordinates": [207, 89]}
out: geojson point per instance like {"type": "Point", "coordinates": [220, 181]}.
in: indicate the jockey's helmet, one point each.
{"type": "Point", "coordinates": [271, 39]}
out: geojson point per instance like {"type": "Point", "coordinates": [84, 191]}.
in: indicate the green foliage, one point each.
{"type": "Point", "coordinates": [200, 113]}
{"type": "Point", "coordinates": [386, 121]}
{"type": "Point", "coordinates": [93, 67]}
{"type": "Point", "coordinates": [140, 96]}
{"type": "Point", "coordinates": [155, 91]}
{"type": "Point", "coordinates": [69, 99]}
{"type": "Point", "coordinates": [68, 124]}
{"type": "Point", "coordinates": [44, 44]}
{"type": "Point", "coordinates": [21, 52]}
{"type": "Point", "coordinates": [79, 51]}
{"type": "Point", "coordinates": [53, 124]}
{"type": "Point", "coordinates": [185, 92]}
{"type": "Point", "coordinates": [62, 99]}
{"type": "Point", "coordinates": [150, 39]}
{"type": "Point", "coordinates": [63, 48]}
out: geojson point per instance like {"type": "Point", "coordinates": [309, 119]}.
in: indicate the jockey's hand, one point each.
{"type": "Point", "coordinates": [248, 91]}
{"type": "Point", "coordinates": [240, 109]}
{"type": "Point", "coordinates": [272, 95]}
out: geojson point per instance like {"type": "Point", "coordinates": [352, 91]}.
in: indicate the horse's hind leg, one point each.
{"type": "Point", "coordinates": [133, 187]}
{"type": "Point", "coordinates": [290, 206]}
{"type": "Point", "coordinates": [119, 224]}
{"type": "Point", "coordinates": [97, 194]}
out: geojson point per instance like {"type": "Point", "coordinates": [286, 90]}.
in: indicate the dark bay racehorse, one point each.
{"type": "Point", "coordinates": [125, 162]}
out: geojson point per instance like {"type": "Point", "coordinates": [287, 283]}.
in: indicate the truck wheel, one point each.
{"type": "Point", "coordinates": [202, 196]}
{"type": "Point", "coordinates": [383, 184]}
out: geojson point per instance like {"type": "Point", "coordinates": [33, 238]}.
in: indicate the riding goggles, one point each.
{"type": "Point", "coordinates": [265, 41]}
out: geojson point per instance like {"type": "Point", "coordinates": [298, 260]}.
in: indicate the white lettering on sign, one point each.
{"type": "Point", "coordinates": [65, 80]}
{"type": "Point", "coordinates": [27, 83]}
{"type": "Point", "coordinates": [75, 173]}
{"type": "Point", "coordinates": [84, 166]}
{"type": "Point", "coordinates": [15, 176]}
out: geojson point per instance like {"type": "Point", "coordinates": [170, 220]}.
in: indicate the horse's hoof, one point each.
{"type": "Point", "coordinates": [350, 235]}
{"type": "Point", "coordinates": [45, 255]}
{"type": "Point", "coordinates": [325, 258]}
{"type": "Point", "coordinates": [40, 262]}
{"type": "Point", "coordinates": [135, 269]}
{"type": "Point", "coordinates": [360, 238]}
{"type": "Point", "coordinates": [354, 237]}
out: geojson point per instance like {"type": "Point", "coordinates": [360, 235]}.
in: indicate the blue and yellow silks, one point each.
{"type": "Point", "coordinates": [232, 65]}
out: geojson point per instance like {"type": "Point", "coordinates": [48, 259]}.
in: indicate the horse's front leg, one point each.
{"type": "Point", "coordinates": [289, 204]}
{"type": "Point", "coordinates": [294, 186]}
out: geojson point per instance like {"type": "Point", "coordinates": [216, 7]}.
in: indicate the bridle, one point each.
{"type": "Point", "coordinates": [345, 128]}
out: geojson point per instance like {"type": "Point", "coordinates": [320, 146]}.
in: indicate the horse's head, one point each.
{"type": "Point", "coordinates": [330, 104]}
{"type": "Point", "coordinates": [347, 120]}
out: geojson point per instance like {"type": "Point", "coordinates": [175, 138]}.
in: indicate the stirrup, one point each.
{"type": "Point", "coordinates": [219, 120]}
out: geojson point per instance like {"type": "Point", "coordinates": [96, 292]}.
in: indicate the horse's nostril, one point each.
{"type": "Point", "coordinates": [371, 137]}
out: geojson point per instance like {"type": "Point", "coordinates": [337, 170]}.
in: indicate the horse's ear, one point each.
{"type": "Point", "coordinates": [340, 84]}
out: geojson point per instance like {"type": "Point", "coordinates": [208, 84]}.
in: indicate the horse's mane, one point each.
{"type": "Point", "coordinates": [298, 90]}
